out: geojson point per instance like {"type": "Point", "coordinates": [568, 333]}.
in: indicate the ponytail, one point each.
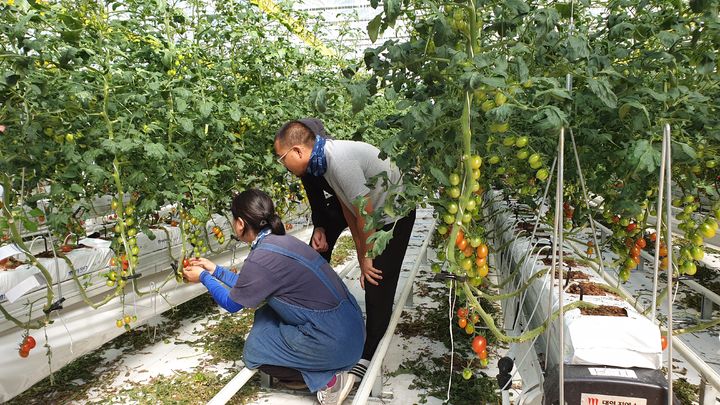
{"type": "Point", "coordinates": [277, 225]}
{"type": "Point", "coordinates": [257, 210]}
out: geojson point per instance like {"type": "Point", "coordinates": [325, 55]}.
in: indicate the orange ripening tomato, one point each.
{"type": "Point", "coordinates": [460, 237]}
{"type": "Point", "coordinates": [641, 243]}
{"type": "Point", "coordinates": [462, 322]}
{"type": "Point", "coordinates": [663, 251]}
{"type": "Point", "coordinates": [480, 261]}
{"type": "Point", "coordinates": [482, 251]}
{"type": "Point", "coordinates": [653, 237]}
{"type": "Point", "coordinates": [468, 251]}
{"type": "Point", "coordinates": [462, 244]}
{"type": "Point", "coordinates": [663, 342]}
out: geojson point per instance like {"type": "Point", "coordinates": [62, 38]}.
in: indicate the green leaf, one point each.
{"type": "Point", "coordinates": [550, 117]}
{"type": "Point", "coordinates": [379, 240]}
{"type": "Point", "coordinates": [205, 107]}
{"type": "Point", "coordinates": [180, 105]}
{"type": "Point", "coordinates": [318, 100]}
{"type": "Point", "coordinates": [647, 157]}
{"type": "Point", "coordinates": [440, 175]}
{"type": "Point", "coordinates": [29, 225]}
{"type": "Point", "coordinates": [625, 109]}
{"type": "Point", "coordinates": [186, 124]}
{"type": "Point", "coordinates": [688, 150]}
{"type": "Point", "coordinates": [392, 10]}
{"type": "Point", "coordinates": [374, 27]}
{"type": "Point", "coordinates": [577, 47]}
{"type": "Point", "coordinates": [601, 88]}
{"type": "Point", "coordinates": [496, 82]}
{"type": "Point", "coordinates": [155, 151]}
{"type": "Point", "coordinates": [359, 95]}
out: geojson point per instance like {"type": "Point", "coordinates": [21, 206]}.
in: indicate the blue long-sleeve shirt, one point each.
{"type": "Point", "coordinates": [214, 283]}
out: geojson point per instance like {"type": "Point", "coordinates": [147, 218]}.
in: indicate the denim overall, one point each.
{"type": "Point", "coordinates": [317, 343]}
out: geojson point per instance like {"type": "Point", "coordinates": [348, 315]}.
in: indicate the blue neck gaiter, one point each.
{"type": "Point", "coordinates": [318, 162]}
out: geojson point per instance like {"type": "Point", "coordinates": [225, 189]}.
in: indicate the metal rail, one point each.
{"type": "Point", "coordinates": [374, 368]}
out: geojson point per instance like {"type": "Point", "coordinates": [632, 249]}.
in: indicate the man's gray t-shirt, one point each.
{"type": "Point", "coordinates": [350, 165]}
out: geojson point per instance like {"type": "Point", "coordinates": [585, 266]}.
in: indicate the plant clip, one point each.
{"type": "Point", "coordinates": [449, 276]}
{"type": "Point", "coordinates": [55, 306]}
{"type": "Point", "coordinates": [235, 238]}
{"type": "Point", "coordinates": [132, 276]}
{"type": "Point", "coordinates": [174, 266]}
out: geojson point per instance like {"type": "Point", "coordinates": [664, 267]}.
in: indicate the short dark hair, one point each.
{"type": "Point", "coordinates": [256, 208]}
{"type": "Point", "coordinates": [295, 133]}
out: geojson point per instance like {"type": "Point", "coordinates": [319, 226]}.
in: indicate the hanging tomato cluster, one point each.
{"type": "Point", "coordinates": [28, 343]}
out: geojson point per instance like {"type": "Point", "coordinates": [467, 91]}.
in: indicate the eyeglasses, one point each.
{"type": "Point", "coordinates": [280, 159]}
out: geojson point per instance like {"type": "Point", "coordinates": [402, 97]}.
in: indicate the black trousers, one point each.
{"type": "Point", "coordinates": [379, 298]}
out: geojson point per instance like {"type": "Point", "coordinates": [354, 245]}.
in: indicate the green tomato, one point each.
{"type": "Point", "coordinates": [487, 105]}
{"type": "Point", "coordinates": [697, 252]}
{"type": "Point", "coordinates": [466, 218]}
{"type": "Point", "coordinates": [534, 158]}
{"type": "Point", "coordinates": [454, 192]}
{"type": "Point", "coordinates": [449, 219]}
{"type": "Point", "coordinates": [706, 230]}
{"type": "Point", "coordinates": [475, 242]}
{"type": "Point", "coordinates": [500, 99]}
{"type": "Point", "coordinates": [521, 142]}
{"type": "Point", "coordinates": [542, 174]}
{"type": "Point", "coordinates": [467, 374]}
{"type": "Point", "coordinates": [494, 159]}
{"type": "Point", "coordinates": [452, 208]}
{"type": "Point", "coordinates": [509, 141]}
{"type": "Point", "coordinates": [436, 268]}
{"type": "Point", "coordinates": [475, 162]}
{"type": "Point", "coordinates": [442, 229]}
{"type": "Point", "coordinates": [536, 165]}
{"type": "Point", "coordinates": [522, 154]}
{"type": "Point", "coordinates": [454, 179]}
{"type": "Point", "coordinates": [470, 206]}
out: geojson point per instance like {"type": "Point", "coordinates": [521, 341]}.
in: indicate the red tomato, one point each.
{"type": "Point", "coordinates": [631, 227]}
{"type": "Point", "coordinates": [482, 355]}
{"type": "Point", "coordinates": [641, 243]}
{"type": "Point", "coordinates": [479, 343]}
{"type": "Point", "coordinates": [186, 263]}
{"type": "Point", "coordinates": [462, 312]}
{"type": "Point", "coordinates": [30, 341]}
{"type": "Point", "coordinates": [23, 353]}
{"type": "Point", "coordinates": [663, 342]}
{"type": "Point", "coordinates": [635, 251]}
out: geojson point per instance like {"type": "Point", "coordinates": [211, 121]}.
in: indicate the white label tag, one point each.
{"type": "Point", "coordinates": [9, 250]}
{"type": "Point", "coordinates": [30, 283]}
{"type": "Point", "coordinates": [612, 372]}
{"type": "Point", "coordinates": [597, 399]}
